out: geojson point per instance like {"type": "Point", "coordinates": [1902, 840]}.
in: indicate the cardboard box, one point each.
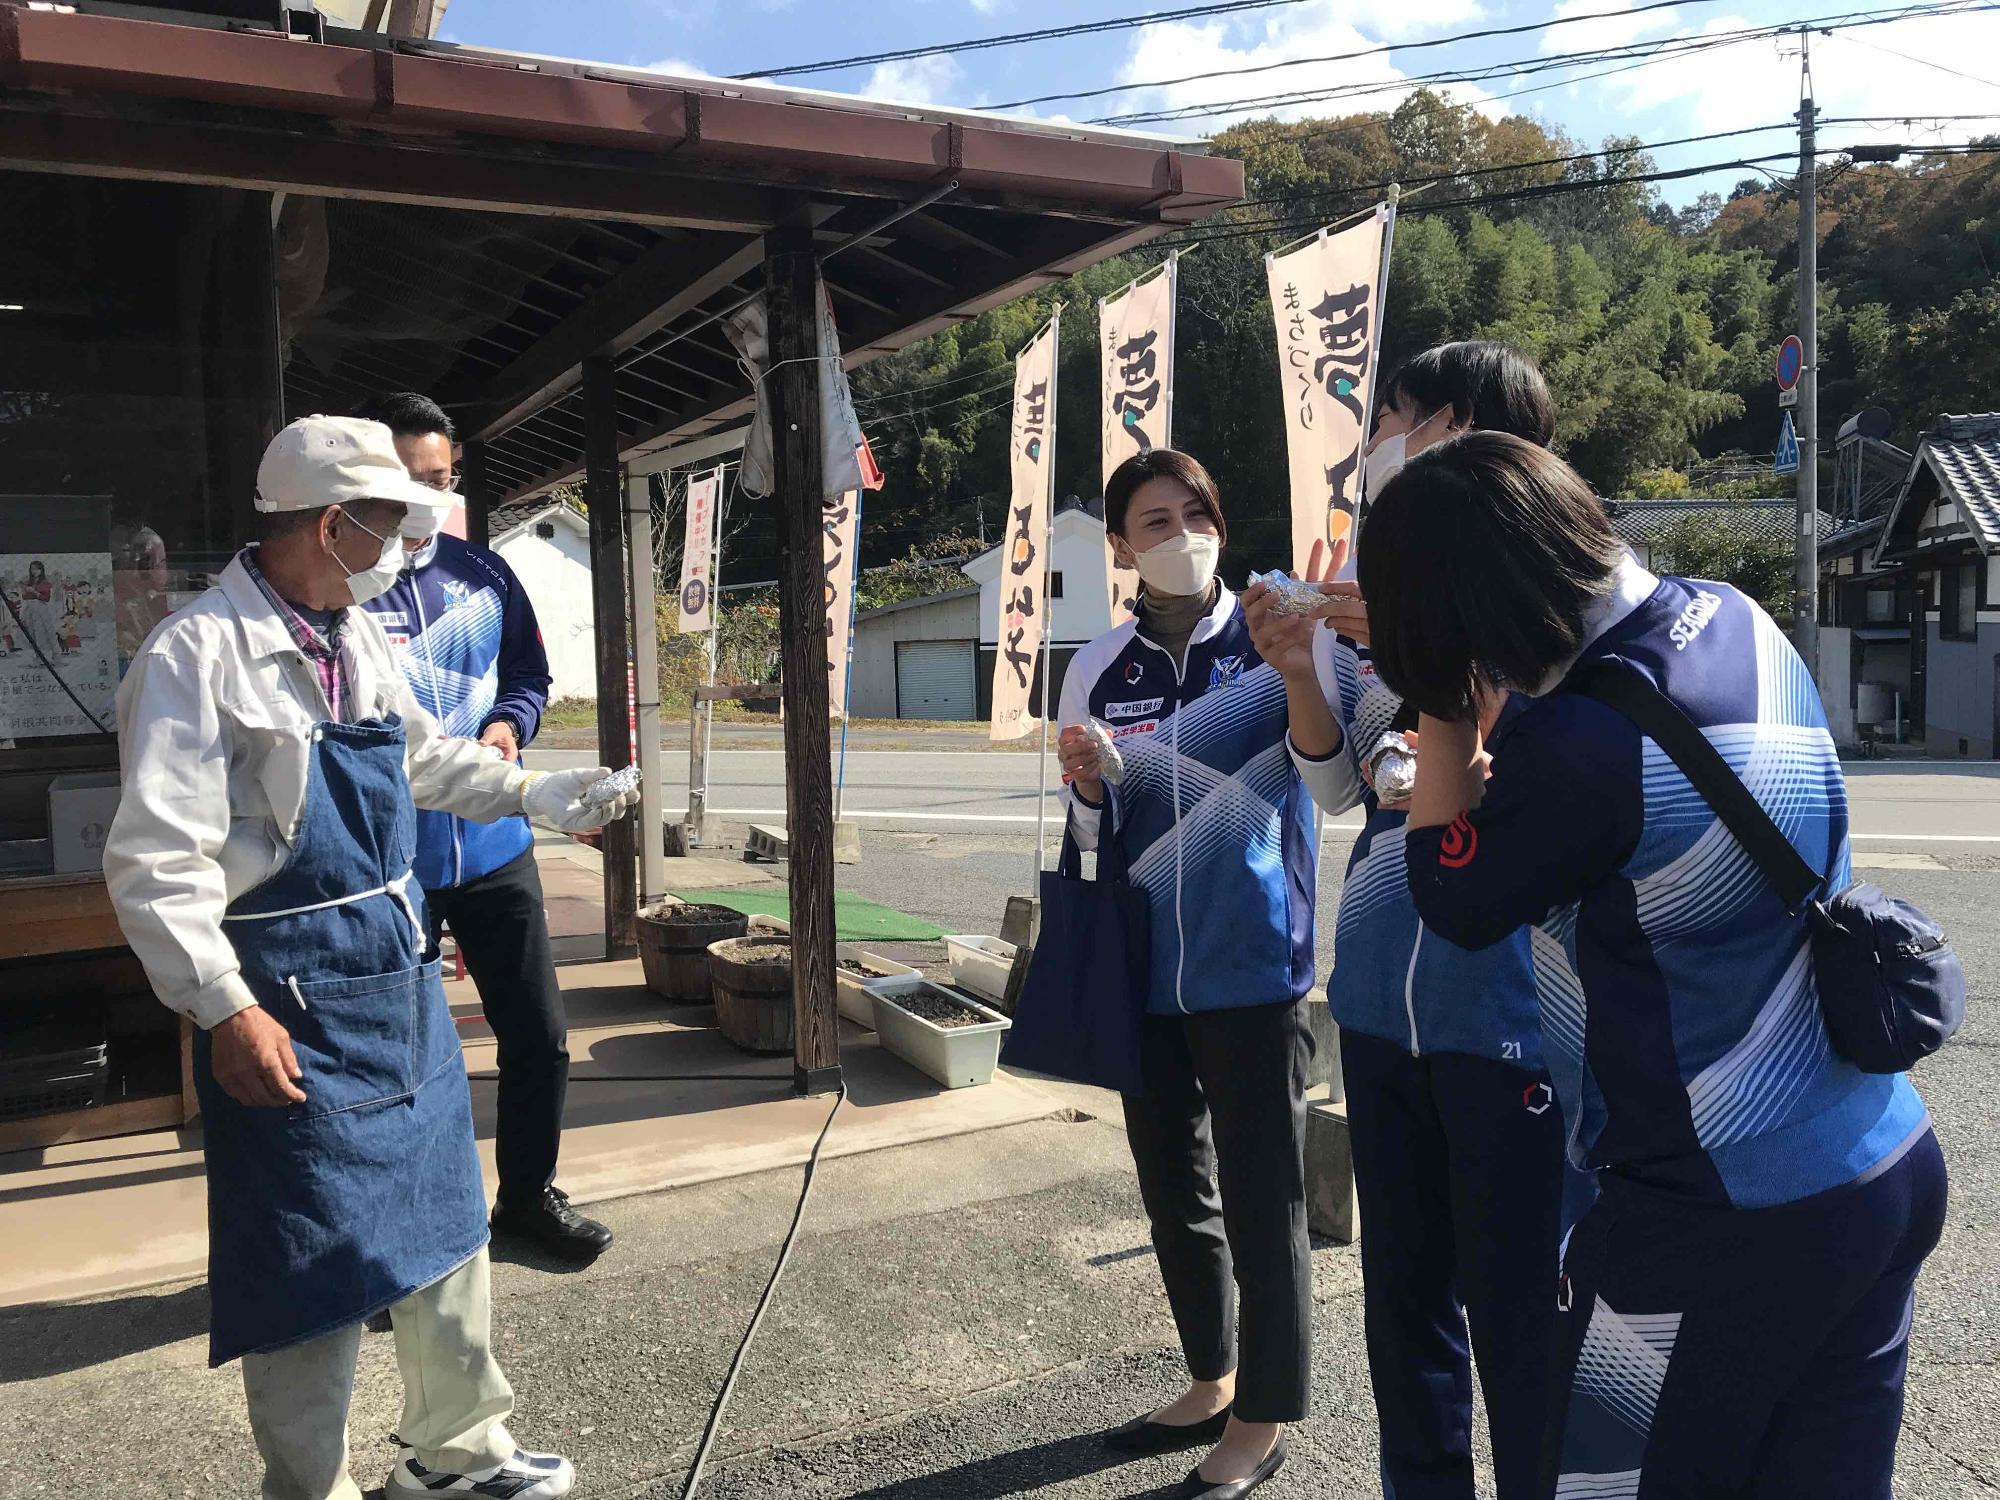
{"type": "Point", "coordinates": [80, 811]}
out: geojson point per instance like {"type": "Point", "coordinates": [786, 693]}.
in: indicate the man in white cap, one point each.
{"type": "Point", "coordinates": [260, 866]}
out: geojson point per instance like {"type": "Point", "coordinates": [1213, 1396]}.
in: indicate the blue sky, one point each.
{"type": "Point", "coordinates": [1915, 65]}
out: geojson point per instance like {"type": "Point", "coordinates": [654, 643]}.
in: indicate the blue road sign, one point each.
{"type": "Point", "coordinates": [1787, 460]}
{"type": "Point", "coordinates": [1791, 362]}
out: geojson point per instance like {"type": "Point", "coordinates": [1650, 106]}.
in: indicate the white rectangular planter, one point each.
{"type": "Point", "coordinates": [851, 993]}
{"type": "Point", "coordinates": [956, 1056]}
{"type": "Point", "coordinates": [980, 964]}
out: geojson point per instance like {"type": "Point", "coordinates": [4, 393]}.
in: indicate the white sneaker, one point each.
{"type": "Point", "coordinates": [525, 1476]}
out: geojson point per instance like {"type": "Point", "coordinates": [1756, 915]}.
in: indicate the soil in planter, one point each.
{"type": "Point", "coordinates": [762, 955]}
{"type": "Point", "coordinates": [861, 971]}
{"type": "Point", "coordinates": [690, 916]}
{"type": "Point", "coordinates": [940, 1011]}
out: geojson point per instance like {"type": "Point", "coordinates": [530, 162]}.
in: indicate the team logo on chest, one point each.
{"type": "Point", "coordinates": [1133, 672]}
{"type": "Point", "coordinates": [456, 592]}
{"type": "Point", "coordinates": [1224, 671]}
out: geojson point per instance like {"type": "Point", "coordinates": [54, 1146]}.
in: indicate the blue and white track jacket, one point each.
{"type": "Point", "coordinates": [1679, 1012]}
{"type": "Point", "coordinates": [1391, 979]}
{"type": "Point", "coordinates": [466, 635]}
{"type": "Point", "coordinates": [1218, 828]}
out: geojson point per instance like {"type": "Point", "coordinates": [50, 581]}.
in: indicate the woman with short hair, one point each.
{"type": "Point", "coordinates": [1459, 1174]}
{"type": "Point", "coordinates": [1218, 831]}
{"type": "Point", "coordinates": [1735, 1307]}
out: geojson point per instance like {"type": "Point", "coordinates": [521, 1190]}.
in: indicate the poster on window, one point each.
{"type": "Point", "coordinates": [1136, 356]}
{"type": "Point", "coordinates": [1024, 549]}
{"type": "Point", "coordinates": [1327, 298]}
{"type": "Point", "coordinates": [58, 644]}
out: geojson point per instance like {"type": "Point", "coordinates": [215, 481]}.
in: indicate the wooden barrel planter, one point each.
{"type": "Point", "coordinates": [752, 981]}
{"type": "Point", "coordinates": [673, 947]}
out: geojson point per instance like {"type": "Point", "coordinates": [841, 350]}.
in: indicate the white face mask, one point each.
{"type": "Point", "coordinates": [1386, 459]}
{"type": "Point", "coordinates": [422, 522]}
{"type": "Point", "coordinates": [1181, 565]}
{"type": "Point", "coordinates": [375, 581]}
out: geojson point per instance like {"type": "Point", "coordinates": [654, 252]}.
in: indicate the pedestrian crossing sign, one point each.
{"type": "Point", "coordinates": [1787, 461]}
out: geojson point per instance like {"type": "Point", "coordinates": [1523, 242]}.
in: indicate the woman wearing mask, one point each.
{"type": "Point", "coordinates": [1458, 1146]}
{"type": "Point", "coordinates": [1735, 1307]}
{"type": "Point", "coordinates": [1218, 831]}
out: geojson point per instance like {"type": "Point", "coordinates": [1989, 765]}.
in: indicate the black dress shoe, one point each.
{"type": "Point", "coordinates": [554, 1226]}
{"type": "Point", "coordinates": [1197, 1488]}
{"type": "Point", "coordinates": [1144, 1435]}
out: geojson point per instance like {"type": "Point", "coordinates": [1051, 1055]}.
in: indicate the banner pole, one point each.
{"type": "Point", "coordinates": [1048, 604]}
{"type": "Point", "coordinates": [847, 688]}
{"type": "Point", "coordinates": [1173, 335]}
{"type": "Point", "coordinates": [714, 629]}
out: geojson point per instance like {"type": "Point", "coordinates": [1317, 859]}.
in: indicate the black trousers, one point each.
{"type": "Point", "coordinates": [1224, 1103]}
{"type": "Point", "coordinates": [501, 928]}
{"type": "Point", "coordinates": [1458, 1166]}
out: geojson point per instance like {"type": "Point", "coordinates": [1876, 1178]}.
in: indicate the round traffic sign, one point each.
{"type": "Point", "coordinates": [1791, 361]}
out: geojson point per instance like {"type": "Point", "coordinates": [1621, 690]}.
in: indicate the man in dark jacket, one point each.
{"type": "Point", "coordinates": [472, 652]}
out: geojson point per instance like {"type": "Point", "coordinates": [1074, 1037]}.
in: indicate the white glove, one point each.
{"type": "Point", "coordinates": [556, 798]}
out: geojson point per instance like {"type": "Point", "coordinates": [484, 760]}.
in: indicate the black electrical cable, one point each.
{"type": "Point", "coordinates": [1300, 62]}
{"type": "Point", "coordinates": [1017, 38]}
{"type": "Point", "coordinates": [50, 666]}
{"type": "Point", "coordinates": [722, 1396]}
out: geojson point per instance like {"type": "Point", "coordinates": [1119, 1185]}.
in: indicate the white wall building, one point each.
{"type": "Point", "coordinates": [549, 550]}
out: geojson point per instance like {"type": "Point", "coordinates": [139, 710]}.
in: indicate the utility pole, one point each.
{"type": "Point", "coordinates": [1805, 630]}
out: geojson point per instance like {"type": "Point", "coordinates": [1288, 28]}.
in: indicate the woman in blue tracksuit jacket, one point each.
{"type": "Point", "coordinates": [1218, 830]}
{"type": "Point", "coordinates": [1735, 1307]}
{"type": "Point", "coordinates": [1457, 1139]}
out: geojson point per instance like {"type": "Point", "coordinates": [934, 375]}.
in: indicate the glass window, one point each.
{"type": "Point", "coordinates": [1958, 616]}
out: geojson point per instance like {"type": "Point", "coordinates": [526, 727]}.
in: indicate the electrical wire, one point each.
{"type": "Point", "coordinates": [1924, 62]}
{"type": "Point", "coordinates": [1019, 38]}
{"type": "Point", "coordinates": [1649, 52]}
{"type": "Point", "coordinates": [1300, 62]}
{"type": "Point", "coordinates": [722, 1396]}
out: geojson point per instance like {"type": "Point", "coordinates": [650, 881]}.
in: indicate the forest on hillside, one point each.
{"type": "Point", "coordinates": [1657, 326]}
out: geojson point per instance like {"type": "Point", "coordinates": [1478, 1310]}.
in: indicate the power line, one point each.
{"type": "Point", "coordinates": [1920, 61]}
{"type": "Point", "coordinates": [1299, 62]}
{"type": "Point", "coordinates": [1650, 51]}
{"type": "Point", "coordinates": [1020, 38]}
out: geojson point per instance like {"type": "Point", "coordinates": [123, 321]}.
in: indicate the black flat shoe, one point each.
{"type": "Point", "coordinates": [553, 1226]}
{"type": "Point", "coordinates": [1197, 1488]}
{"type": "Point", "coordinates": [1144, 1435]}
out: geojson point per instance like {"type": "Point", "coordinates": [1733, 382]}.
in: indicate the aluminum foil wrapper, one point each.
{"type": "Point", "coordinates": [1110, 764]}
{"type": "Point", "coordinates": [612, 787]}
{"type": "Point", "coordinates": [1290, 596]}
{"type": "Point", "coordinates": [1391, 768]}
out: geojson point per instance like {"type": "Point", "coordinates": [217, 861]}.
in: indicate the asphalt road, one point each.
{"type": "Point", "coordinates": [1895, 805]}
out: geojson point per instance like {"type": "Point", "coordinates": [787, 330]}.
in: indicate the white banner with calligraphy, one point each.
{"type": "Point", "coordinates": [1024, 551]}
{"type": "Point", "coordinates": [1327, 296]}
{"type": "Point", "coordinates": [843, 524]}
{"type": "Point", "coordinates": [1136, 357]}
{"type": "Point", "coordinates": [698, 555]}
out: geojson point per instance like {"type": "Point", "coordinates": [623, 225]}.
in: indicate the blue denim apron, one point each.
{"type": "Point", "coordinates": [322, 1213]}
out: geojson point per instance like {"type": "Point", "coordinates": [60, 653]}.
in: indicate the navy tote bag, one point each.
{"type": "Point", "coordinates": [1084, 997]}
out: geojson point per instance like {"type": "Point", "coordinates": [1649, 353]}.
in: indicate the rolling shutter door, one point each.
{"type": "Point", "coordinates": [935, 679]}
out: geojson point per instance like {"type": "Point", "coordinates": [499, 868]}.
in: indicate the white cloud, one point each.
{"type": "Point", "coordinates": [679, 67]}
{"type": "Point", "coordinates": [1752, 83]}
{"type": "Point", "coordinates": [1178, 49]}
{"type": "Point", "coordinates": [984, 7]}
{"type": "Point", "coordinates": [916, 80]}
{"type": "Point", "coordinates": [1612, 26]}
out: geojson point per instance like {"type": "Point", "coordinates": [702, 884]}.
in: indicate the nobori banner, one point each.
{"type": "Point", "coordinates": [843, 521]}
{"type": "Point", "coordinates": [1136, 350]}
{"type": "Point", "coordinates": [1024, 551]}
{"type": "Point", "coordinates": [698, 554]}
{"type": "Point", "coordinates": [1327, 297]}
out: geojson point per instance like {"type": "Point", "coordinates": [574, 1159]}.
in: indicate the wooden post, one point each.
{"type": "Point", "coordinates": [791, 390]}
{"type": "Point", "coordinates": [475, 484]}
{"type": "Point", "coordinates": [604, 493]}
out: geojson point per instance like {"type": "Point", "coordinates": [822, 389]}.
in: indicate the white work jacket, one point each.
{"type": "Point", "coordinates": [215, 720]}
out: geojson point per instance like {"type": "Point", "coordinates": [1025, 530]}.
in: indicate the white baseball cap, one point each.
{"type": "Point", "coordinates": [320, 461]}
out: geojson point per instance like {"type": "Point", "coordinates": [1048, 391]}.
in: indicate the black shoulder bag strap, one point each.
{"type": "Point", "coordinates": [1722, 789]}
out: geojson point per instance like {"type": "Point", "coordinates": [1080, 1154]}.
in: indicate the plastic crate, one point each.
{"type": "Point", "coordinates": [49, 1072]}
